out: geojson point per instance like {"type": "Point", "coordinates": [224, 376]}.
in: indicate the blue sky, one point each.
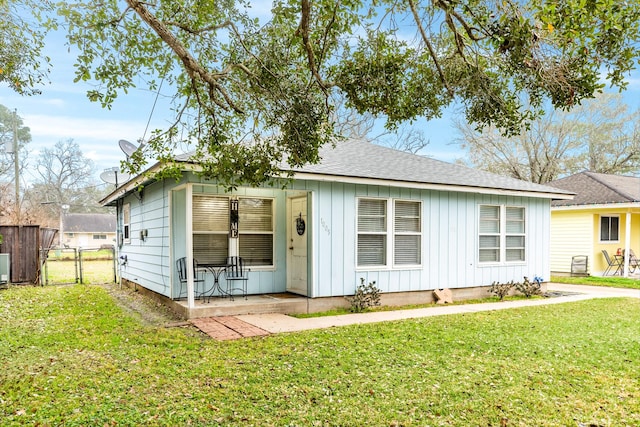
{"type": "Point", "coordinates": [63, 112]}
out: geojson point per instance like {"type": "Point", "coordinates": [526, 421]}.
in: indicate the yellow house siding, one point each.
{"type": "Point", "coordinates": [571, 234]}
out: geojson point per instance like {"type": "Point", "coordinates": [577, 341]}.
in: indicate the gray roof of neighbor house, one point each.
{"type": "Point", "coordinates": [364, 162]}
{"type": "Point", "coordinates": [598, 189]}
{"type": "Point", "coordinates": [89, 223]}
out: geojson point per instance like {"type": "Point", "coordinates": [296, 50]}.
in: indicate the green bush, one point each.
{"type": "Point", "coordinates": [501, 290]}
{"type": "Point", "coordinates": [528, 288]}
{"type": "Point", "coordinates": [366, 296]}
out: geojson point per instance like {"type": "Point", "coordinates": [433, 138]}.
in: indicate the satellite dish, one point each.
{"type": "Point", "coordinates": [127, 147]}
{"type": "Point", "coordinates": [114, 176]}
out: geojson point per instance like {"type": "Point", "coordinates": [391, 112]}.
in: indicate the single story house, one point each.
{"type": "Point", "coordinates": [410, 223]}
{"type": "Point", "coordinates": [88, 231]}
{"type": "Point", "coordinates": [603, 215]}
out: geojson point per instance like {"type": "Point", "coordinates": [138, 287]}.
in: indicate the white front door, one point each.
{"type": "Point", "coordinates": [297, 232]}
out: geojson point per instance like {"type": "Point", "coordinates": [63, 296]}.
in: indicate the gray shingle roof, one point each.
{"type": "Point", "coordinates": [597, 189]}
{"type": "Point", "coordinates": [365, 160]}
{"type": "Point", "coordinates": [89, 223]}
{"type": "Point", "coordinates": [361, 159]}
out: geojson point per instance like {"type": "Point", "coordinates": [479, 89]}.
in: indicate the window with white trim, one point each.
{"type": "Point", "coordinates": [255, 230]}
{"type": "Point", "coordinates": [383, 237]}
{"type": "Point", "coordinates": [211, 228]}
{"type": "Point", "coordinates": [126, 222]}
{"type": "Point", "coordinates": [501, 233]}
{"type": "Point", "coordinates": [609, 228]}
{"type": "Point", "coordinates": [407, 227]}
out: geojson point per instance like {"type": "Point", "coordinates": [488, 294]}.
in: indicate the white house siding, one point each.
{"type": "Point", "coordinates": [449, 239]}
{"type": "Point", "coordinates": [450, 224]}
{"type": "Point", "coordinates": [148, 260]}
{"type": "Point", "coordinates": [572, 234]}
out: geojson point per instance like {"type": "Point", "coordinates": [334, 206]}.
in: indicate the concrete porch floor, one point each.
{"type": "Point", "coordinates": [284, 303]}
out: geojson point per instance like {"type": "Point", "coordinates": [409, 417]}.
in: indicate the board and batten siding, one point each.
{"type": "Point", "coordinates": [449, 238]}
{"type": "Point", "coordinates": [571, 235]}
{"type": "Point", "coordinates": [449, 241]}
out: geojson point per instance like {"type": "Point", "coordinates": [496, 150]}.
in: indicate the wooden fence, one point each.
{"type": "Point", "coordinates": [23, 243]}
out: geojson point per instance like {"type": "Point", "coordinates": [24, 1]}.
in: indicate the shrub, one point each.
{"type": "Point", "coordinates": [528, 288]}
{"type": "Point", "coordinates": [366, 296]}
{"type": "Point", "coordinates": [501, 289]}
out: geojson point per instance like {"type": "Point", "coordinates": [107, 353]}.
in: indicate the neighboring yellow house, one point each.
{"type": "Point", "coordinates": [604, 215]}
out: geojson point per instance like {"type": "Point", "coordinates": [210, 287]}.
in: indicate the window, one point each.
{"type": "Point", "coordinates": [407, 239]}
{"type": "Point", "coordinates": [609, 226]}
{"type": "Point", "coordinates": [502, 234]}
{"type": "Point", "coordinates": [211, 228]}
{"type": "Point", "coordinates": [377, 229]}
{"type": "Point", "coordinates": [99, 237]}
{"type": "Point", "coordinates": [126, 222]}
{"type": "Point", "coordinates": [372, 232]}
{"type": "Point", "coordinates": [255, 230]}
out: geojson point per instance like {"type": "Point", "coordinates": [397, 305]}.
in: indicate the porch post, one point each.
{"type": "Point", "coordinates": [627, 240]}
{"type": "Point", "coordinates": [189, 242]}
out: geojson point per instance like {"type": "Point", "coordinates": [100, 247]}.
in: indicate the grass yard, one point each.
{"type": "Point", "coordinates": [63, 271]}
{"type": "Point", "coordinates": [617, 282]}
{"type": "Point", "coordinates": [71, 356]}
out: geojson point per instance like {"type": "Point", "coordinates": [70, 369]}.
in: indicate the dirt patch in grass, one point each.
{"type": "Point", "coordinates": [150, 312]}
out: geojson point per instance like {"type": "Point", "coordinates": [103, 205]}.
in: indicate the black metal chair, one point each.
{"type": "Point", "coordinates": [181, 265]}
{"type": "Point", "coordinates": [236, 272]}
{"type": "Point", "coordinates": [616, 262]}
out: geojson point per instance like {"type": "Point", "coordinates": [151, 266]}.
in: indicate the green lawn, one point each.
{"type": "Point", "coordinates": [618, 282]}
{"type": "Point", "coordinates": [71, 356]}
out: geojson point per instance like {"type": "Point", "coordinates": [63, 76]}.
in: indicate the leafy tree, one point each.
{"type": "Point", "coordinates": [22, 67]}
{"type": "Point", "coordinates": [600, 135]}
{"type": "Point", "coordinates": [65, 177]}
{"type": "Point", "coordinates": [250, 94]}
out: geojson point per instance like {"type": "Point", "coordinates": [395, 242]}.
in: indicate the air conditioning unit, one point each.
{"type": "Point", "coordinates": [5, 268]}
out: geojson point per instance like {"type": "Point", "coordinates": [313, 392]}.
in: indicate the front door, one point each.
{"type": "Point", "coordinates": [297, 232]}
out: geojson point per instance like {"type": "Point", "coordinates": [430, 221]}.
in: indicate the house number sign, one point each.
{"type": "Point", "coordinates": [300, 225]}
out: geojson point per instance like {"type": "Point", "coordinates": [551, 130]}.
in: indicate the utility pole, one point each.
{"type": "Point", "coordinates": [17, 167]}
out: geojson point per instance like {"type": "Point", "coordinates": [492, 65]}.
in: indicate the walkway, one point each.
{"type": "Point", "coordinates": [249, 325]}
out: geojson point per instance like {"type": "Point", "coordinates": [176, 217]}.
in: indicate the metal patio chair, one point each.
{"type": "Point", "coordinates": [616, 262]}
{"type": "Point", "coordinates": [235, 272]}
{"type": "Point", "coordinates": [181, 265]}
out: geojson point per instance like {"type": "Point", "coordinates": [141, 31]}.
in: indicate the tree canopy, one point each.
{"type": "Point", "coordinates": [254, 90]}
{"type": "Point", "coordinates": [601, 135]}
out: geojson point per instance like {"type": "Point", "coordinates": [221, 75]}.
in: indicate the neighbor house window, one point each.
{"type": "Point", "coordinates": [384, 236]}
{"type": "Point", "coordinates": [99, 237]}
{"type": "Point", "coordinates": [255, 230]}
{"type": "Point", "coordinates": [501, 234]}
{"type": "Point", "coordinates": [609, 226]}
{"type": "Point", "coordinates": [126, 222]}
{"type": "Point", "coordinates": [210, 229]}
